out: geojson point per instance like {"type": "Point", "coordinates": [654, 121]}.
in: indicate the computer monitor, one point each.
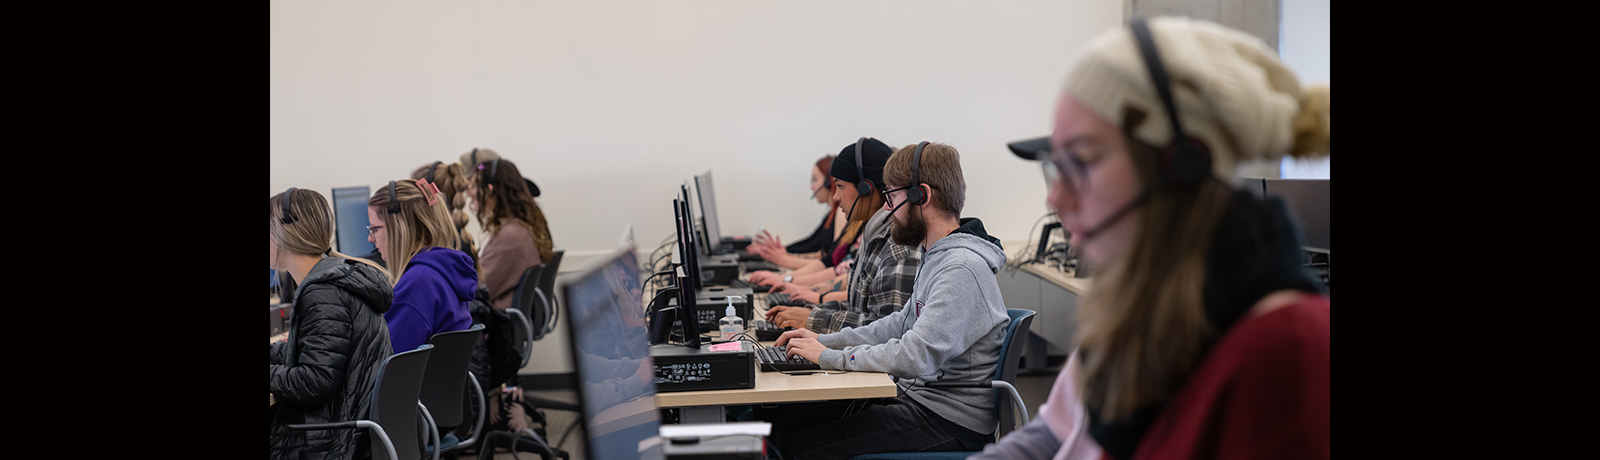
{"type": "Point", "coordinates": [611, 359]}
{"type": "Point", "coordinates": [350, 217]}
{"type": "Point", "coordinates": [708, 212]}
{"type": "Point", "coordinates": [1308, 200]}
{"type": "Point", "coordinates": [689, 259]}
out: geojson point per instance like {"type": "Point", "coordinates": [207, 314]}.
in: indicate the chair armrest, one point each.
{"type": "Point", "coordinates": [1016, 398]}
{"type": "Point", "coordinates": [367, 424]}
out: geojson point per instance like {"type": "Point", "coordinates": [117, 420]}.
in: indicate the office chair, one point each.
{"type": "Point", "coordinates": [445, 384]}
{"type": "Point", "coordinates": [1004, 373]}
{"type": "Point", "coordinates": [394, 405]}
{"type": "Point", "coordinates": [547, 286]}
{"type": "Point", "coordinates": [526, 308]}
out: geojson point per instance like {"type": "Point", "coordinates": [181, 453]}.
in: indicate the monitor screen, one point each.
{"type": "Point", "coordinates": [350, 215]}
{"type": "Point", "coordinates": [708, 211]}
{"type": "Point", "coordinates": [688, 258]}
{"type": "Point", "coordinates": [611, 359]}
{"type": "Point", "coordinates": [1308, 200]}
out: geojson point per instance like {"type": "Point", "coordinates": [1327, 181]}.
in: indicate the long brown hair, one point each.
{"type": "Point", "coordinates": [865, 207]}
{"type": "Point", "coordinates": [510, 201]}
{"type": "Point", "coordinates": [453, 183]}
{"type": "Point", "coordinates": [824, 165]}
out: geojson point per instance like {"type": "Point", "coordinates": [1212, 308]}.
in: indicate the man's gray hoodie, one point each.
{"type": "Point", "coordinates": [949, 331]}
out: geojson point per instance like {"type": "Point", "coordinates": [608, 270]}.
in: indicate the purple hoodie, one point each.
{"type": "Point", "coordinates": [431, 297]}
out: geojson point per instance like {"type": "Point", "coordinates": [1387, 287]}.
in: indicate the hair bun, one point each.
{"type": "Point", "coordinates": [1311, 125]}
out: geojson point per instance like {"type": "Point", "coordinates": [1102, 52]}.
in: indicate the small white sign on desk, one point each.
{"type": "Point", "coordinates": [715, 429]}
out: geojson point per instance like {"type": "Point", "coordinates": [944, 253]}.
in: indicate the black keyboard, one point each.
{"type": "Point", "coordinates": [756, 288]}
{"type": "Point", "coordinates": [756, 265]}
{"type": "Point", "coordinates": [766, 331]}
{"type": "Point", "coordinates": [783, 299]}
{"type": "Point", "coordinates": [748, 257]}
{"type": "Point", "coordinates": [773, 360]}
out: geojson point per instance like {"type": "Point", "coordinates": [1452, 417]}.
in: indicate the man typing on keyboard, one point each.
{"type": "Point", "coordinates": [950, 330]}
{"type": "Point", "coordinates": [884, 272]}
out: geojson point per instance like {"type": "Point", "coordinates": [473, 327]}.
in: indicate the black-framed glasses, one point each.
{"type": "Point", "coordinates": [1068, 165]}
{"type": "Point", "coordinates": [890, 201]}
{"type": "Point", "coordinates": [373, 229]}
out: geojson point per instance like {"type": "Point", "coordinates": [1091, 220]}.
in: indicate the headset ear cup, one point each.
{"type": "Point", "coordinates": [1190, 162]}
{"type": "Point", "coordinates": [916, 196]}
{"type": "Point", "coordinates": [864, 187]}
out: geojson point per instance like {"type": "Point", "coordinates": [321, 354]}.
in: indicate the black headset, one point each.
{"type": "Point", "coordinates": [394, 200]}
{"type": "Point", "coordinates": [435, 166]}
{"type": "Point", "coordinates": [287, 218]}
{"type": "Point", "coordinates": [915, 196]}
{"type": "Point", "coordinates": [1187, 161]}
{"type": "Point", "coordinates": [863, 185]}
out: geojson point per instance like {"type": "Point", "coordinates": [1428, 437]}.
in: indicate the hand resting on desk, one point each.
{"type": "Point", "coordinates": [801, 342]}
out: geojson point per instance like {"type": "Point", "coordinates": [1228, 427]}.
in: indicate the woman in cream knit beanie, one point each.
{"type": "Point", "coordinates": [1204, 334]}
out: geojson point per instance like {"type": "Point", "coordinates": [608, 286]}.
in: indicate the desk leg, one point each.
{"type": "Point", "coordinates": [1038, 355]}
{"type": "Point", "coordinates": [702, 414]}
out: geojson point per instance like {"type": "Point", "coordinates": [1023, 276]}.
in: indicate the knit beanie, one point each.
{"type": "Point", "coordinates": [1231, 91]}
{"type": "Point", "coordinates": [873, 152]}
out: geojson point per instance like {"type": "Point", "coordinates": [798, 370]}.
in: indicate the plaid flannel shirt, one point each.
{"type": "Point", "coordinates": [880, 283]}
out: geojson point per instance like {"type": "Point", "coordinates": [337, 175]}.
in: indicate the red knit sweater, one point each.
{"type": "Point", "coordinates": [1263, 392]}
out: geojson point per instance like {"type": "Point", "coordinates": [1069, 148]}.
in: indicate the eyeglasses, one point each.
{"type": "Point", "coordinates": [1068, 165]}
{"type": "Point", "coordinates": [373, 229]}
{"type": "Point", "coordinates": [888, 201]}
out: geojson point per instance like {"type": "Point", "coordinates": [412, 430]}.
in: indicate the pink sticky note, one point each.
{"type": "Point", "coordinates": [730, 346]}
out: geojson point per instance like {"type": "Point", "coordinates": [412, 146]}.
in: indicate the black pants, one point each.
{"type": "Point", "coordinates": [841, 429]}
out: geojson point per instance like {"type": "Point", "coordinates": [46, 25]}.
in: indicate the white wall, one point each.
{"type": "Point", "coordinates": [610, 105]}
{"type": "Point", "coordinates": [1306, 46]}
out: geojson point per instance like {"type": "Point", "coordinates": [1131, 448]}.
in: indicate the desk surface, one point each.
{"type": "Point", "coordinates": [1079, 286]}
{"type": "Point", "coordinates": [775, 387]}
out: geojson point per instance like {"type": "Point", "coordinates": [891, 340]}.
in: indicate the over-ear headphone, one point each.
{"type": "Point", "coordinates": [915, 196]}
{"type": "Point", "coordinates": [863, 185]}
{"type": "Point", "coordinates": [394, 200]}
{"type": "Point", "coordinates": [287, 218]}
{"type": "Point", "coordinates": [1187, 161]}
{"type": "Point", "coordinates": [436, 164]}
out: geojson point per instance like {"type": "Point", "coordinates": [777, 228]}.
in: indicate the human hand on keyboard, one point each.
{"type": "Point", "coordinates": [786, 316]}
{"type": "Point", "coordinates": [802, 343]}
{"type": "Point", "coordinates": [766, 277]}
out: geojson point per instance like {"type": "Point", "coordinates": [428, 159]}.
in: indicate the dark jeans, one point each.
{"type": "Point", "coordinates": [841, 429]}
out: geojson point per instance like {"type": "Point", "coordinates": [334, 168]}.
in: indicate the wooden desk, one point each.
{"type": "Point", "coordinates": [776, 387]}
{"type": "Point", "coordinates": [1055, 296]}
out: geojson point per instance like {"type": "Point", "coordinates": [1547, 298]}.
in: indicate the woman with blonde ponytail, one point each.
{"type": "Point", "coordinates": [337, 336]}
{"type": "Point", "coordinates": [1205, 335]}
{"type": "Point", "coordinates": [433, 282]}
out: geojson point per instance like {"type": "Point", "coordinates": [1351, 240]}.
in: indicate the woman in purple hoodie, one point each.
{"type": "Point", "coordinates": [411, 227]}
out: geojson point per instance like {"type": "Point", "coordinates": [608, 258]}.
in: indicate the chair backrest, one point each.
{"type": "Point", "coordinates": [529, 300]}
{"type": "Point", "coordinates": [520, 340]}
{"type": "Point", "coordinates": [445, 383]}
{"type": "Point", "coordinates": [394, 402]}
{"type": "Point", "coordinates": [547, 285]}
{"type": "Point", "coordinates": [1007, 370]}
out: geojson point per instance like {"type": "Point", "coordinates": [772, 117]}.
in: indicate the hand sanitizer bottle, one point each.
{"type": "Point", "coordinates": [732, 324]}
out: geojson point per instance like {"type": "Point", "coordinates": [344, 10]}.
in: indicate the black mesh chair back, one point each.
{"type": "Point", "coordinates": [446, 381]}
{"type": "Point", "coordinates": [1010, 355]}
{"type": "Point", "coordinates": [394, 403]}
{"type": "Point", "coordinates": [547, 286]}
{"type": "Point", "coordinates": [530, 301]}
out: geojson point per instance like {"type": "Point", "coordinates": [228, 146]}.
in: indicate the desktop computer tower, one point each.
{"type": "Point", "coordinates": [743, 447]}
{"type": "Point", "coordinates": [680, 368]}
{"type": "Point", "coordinates": [710, 308]}
{"type": "Point", "coordinates": [732, 244]}
{"type": "Point", "coordinates": [719, 269]}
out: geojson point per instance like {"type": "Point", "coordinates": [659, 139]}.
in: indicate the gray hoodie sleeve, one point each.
{"type": "Point", "coordinates": [914, 347]}
{"type": "Point", "coordinates": [1034, 441]}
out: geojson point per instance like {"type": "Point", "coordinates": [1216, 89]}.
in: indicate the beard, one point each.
{"type": "Point", "coordinates": [911, 232]}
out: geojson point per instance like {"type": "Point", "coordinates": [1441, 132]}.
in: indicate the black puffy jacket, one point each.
{"type": "Point", "coordinates": [325, 371]}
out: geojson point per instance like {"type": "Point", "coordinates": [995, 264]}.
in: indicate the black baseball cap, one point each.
{"type": "Point", "coordinates": [1031, 149]}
